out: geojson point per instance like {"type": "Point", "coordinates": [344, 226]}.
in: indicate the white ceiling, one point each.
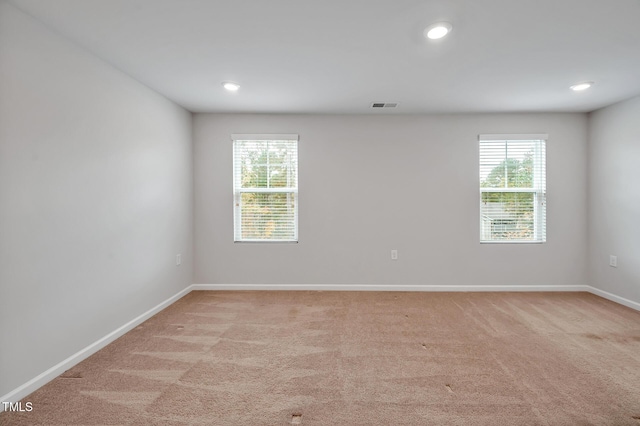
{"type": "Point", "coordinates": [338, 56]}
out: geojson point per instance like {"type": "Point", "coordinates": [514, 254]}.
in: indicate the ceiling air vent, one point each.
{"type": "Point", "coordinates": [384, 104]}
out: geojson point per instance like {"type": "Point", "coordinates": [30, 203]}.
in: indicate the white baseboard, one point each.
{"type": "Point", "coordinates": [39, 381]}
{"type": "Point", "coordinates": [618, 299]}
{"type": "Point", "coordinates": [389, 287]}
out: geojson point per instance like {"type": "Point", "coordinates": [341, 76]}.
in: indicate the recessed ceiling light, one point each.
{"type": "Point", "coordinates": [231, 86]}
{"type": "Point", "coordinates": [581, 86]}
{"type": "Point", "coordinates": [437, 30]}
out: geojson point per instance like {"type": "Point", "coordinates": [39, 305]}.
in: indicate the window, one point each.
{"type": "Point", "coordinates": [512, 188]}
{"type": "Point", "coordinates": [265, 188]}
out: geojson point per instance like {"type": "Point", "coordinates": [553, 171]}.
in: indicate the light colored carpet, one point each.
{"type": "Point", "coordinates": [359, 358]}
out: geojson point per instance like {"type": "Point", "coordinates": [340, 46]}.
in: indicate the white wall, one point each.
{"type": "Point", "coordinates": [369, 184]}
{"type": "Point", "coordinates": [614, 198]}
{"type": "Point", "coordinates": [96, 199]}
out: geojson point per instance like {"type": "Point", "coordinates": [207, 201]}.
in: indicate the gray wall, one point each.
{"type": "Point", "coordinates": [96, 199]}
{"type": "Point", "coordinates": [369, 184]}
{"type": "Point", "coordinates": [614, 198]}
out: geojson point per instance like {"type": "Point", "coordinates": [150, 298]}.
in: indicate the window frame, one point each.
{"type": "Point", "coordinates": [538, 188]}
{"type": "Point", "coordinates": [238, 190]}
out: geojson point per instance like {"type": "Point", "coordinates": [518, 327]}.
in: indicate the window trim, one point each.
{"type": "Point", "coordinates": [237, 191]}
{"type": "Point", "coordinates": [538, 188]}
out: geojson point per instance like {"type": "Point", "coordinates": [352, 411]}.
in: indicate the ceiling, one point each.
{"type": "Point", "coordinates": [339, 56]}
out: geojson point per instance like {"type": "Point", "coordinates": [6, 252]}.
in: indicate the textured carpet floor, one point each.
{"type": "Point", "coordinates": [365, 358]}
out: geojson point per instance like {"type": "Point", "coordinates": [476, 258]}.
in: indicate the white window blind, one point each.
{"type": "Point", "coordinates": [265, 188]}
{"type": "Point", "coordinates": [513, 188]}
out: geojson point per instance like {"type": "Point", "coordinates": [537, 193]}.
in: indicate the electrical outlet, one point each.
{"type": "Point", "coordinates": [178, 259]}
{"type": "Point", "coordinates": [394, 254]}
{"type": "Point", "coordinates": [613, 261]}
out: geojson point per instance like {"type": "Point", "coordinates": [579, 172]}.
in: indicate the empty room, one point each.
{"type": "Point", "coordinates": [362, 212]}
